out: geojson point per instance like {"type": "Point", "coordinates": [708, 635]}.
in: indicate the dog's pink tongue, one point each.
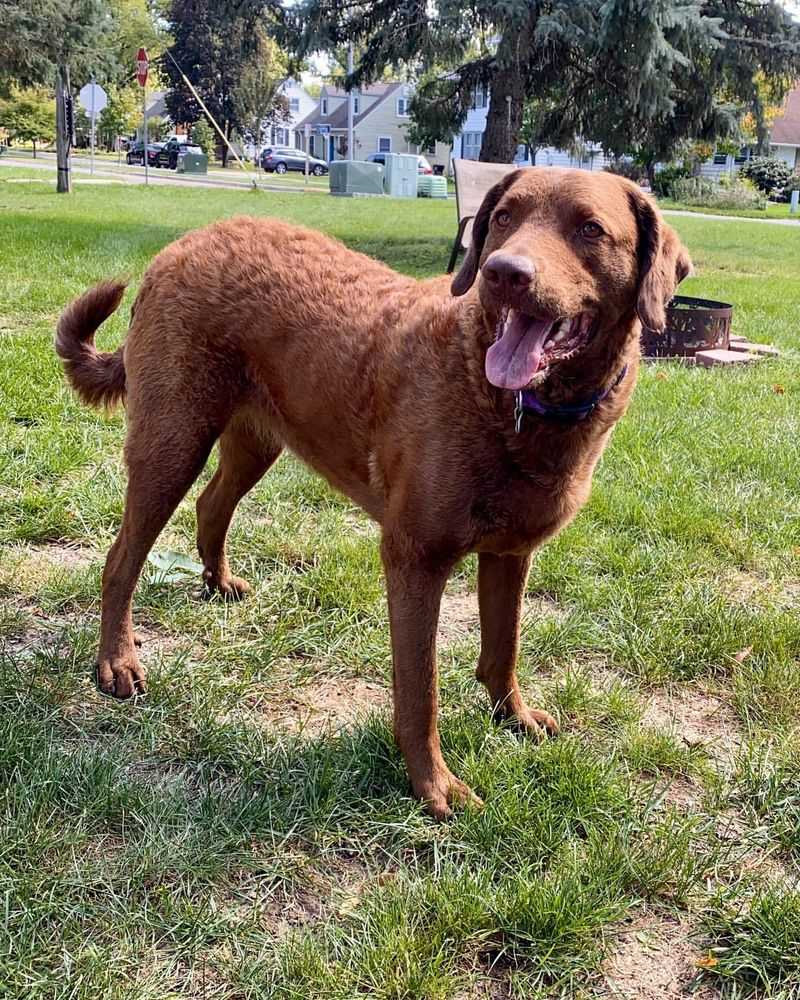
{"type": "Point", "coordinates": [513, 360]}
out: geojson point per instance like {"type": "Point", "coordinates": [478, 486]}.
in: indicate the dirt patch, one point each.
{"type": "Point", "coordinates": [61, 554]}
{"type": "Point", "coordinates": [324, 705]}
{"type": "Point", "coordinates": [700, 718]}
{"type": "Point", "coordinates": [459, 616]}
{"type": "Point", "coordinates": [654, 958]}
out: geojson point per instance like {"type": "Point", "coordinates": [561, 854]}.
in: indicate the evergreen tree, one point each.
{"type": "Point", "coordinates": [609, 70]}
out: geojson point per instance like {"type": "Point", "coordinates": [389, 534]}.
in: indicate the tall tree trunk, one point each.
{"type": "Point", "coordinates": [63, 138]}
{"type": "Point", "coordinates": [34, 149]}
{"type": "Point", "coordinates": [504, 118]}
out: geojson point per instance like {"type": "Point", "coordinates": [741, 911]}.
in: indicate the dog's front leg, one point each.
{"type": "Point", "coordinates": [414, 584]}
{"type": "Point", "coordinates": [501, 587]}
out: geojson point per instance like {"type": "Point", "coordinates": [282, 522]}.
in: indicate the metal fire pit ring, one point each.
{"type": "Point", "coordinates": [692, 325]}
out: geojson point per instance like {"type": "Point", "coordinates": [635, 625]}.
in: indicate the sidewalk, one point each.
{"type": "Point", "coordinates": [135, 175]}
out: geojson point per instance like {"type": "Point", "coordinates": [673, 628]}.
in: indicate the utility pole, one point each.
{"type": "Point", "coordinates": [350, 106]}
{"type": "Point", "coordinates": [64, 122]}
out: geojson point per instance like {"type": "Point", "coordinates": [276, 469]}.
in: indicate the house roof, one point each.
{"type": "Point", "coordinates": [338, 117]}
{"type": "Point", "coordinates": [786, 129]}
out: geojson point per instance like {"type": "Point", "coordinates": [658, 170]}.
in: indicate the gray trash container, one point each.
{"type": "Point", "coordinates": [192, 163]}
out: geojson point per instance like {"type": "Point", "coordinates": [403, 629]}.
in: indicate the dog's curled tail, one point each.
{"type": "Point", "coordinates": [97, 377]}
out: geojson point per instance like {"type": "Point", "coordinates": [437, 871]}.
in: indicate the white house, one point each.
{"type": "Point", "coordinates": [301, 104]}
{"type": "Point", "coordinates": [381, 119]}
{"type": "Point", "coordinates": [785, 136]}
{"type": "Point", "coordinates": [467, 144]}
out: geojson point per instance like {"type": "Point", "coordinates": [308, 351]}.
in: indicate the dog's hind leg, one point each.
{"type": "Point", "coordinates": [244, 457]}
{"type": "Point", "coordinates": [164, 459]}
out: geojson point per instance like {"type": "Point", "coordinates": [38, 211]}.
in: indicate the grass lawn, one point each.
{"type": "Point", "coordinates": [774, 210]}
{"type": "Point", "coordinates": [246, 830]}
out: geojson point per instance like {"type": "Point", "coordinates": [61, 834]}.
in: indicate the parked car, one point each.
{"type": "Point", "coordinates": [171, 150]}
{"type": "Point", "coordinates": [134, 154]}
{"type": "Point", "coordinates": [423, 167]}
{"type": "Point", "coordinates": [279, 159]}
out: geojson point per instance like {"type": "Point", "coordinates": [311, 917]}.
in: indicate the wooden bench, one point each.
{"type": "Point", "coordinates": [473, 179]}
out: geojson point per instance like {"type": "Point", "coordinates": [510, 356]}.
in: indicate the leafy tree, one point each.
{"type": "Point", "coordinates": [43, 41]}
{"type": "Point", "coordinates": [134, 23]}
{"type": "Point", "coordinates": [122, 115]}
{"type": "Point", "coordinates": [257, 99]}
{"type": "Point", "coordinates": [157, 128]}
{"type": "Point", "coordinates": [204, 136]}
{"type": "Point", "coordinates": [29, 116]}
{"type": "Point", "coordinates": [609, 70]}
{"type": "Point", "coordinates": [213, 41]}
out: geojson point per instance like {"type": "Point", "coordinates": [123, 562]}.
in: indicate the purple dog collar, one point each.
{"type": "Point", "coordinates": [529, 402]}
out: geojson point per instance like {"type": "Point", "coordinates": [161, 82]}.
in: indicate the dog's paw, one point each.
{"type": "Point", "coordinates": [445, 791]}
{"type": "Point", "coordinates": [534, 722]}
{"type": "Point", "coordinates": [121, 677]}
{"type": "Point", "coordinates": [230, 588]}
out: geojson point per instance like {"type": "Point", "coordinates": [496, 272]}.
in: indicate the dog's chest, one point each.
{"type": "Point", "coordinates": [517, 512]}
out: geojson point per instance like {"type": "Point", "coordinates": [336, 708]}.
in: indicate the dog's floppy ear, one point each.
{"type": "Point", "coordinates": [480, 228]}
{"type": "Point", "coordinates": [663, 263]}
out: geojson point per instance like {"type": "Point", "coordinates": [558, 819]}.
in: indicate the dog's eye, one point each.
{"type": "Point", "coordinates": [502, 218]}
{"type": "Point", "coordinates": [592, 230]}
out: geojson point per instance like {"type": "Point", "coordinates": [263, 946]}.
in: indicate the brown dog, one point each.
{"type": "Point", "coordinates": [405, 398]}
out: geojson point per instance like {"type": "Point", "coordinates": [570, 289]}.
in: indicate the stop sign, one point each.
{"type": "Point", "coordinates": [142, 64]}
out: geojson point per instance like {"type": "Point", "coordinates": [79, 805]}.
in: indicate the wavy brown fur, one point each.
{"type": "Point", "coordinates": [97, 377]}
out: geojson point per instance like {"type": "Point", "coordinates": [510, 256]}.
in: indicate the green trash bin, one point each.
{"type": "Point", "coordinates": [192, 163]}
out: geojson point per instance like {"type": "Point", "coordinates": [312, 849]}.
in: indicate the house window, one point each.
{"type": "Point", "coordinates": [356, 104]}
{"type": "Point", "coordinates": [294, 105]}
{"type": "Point", "coordinates": [402, 107]}
{"type": "Point", "coordinates": [325, 105]}
{"type": "Point", "coordinates": [471, 145]}
{"type": "Point", "coordinates": [384, 144]}
{"type": "Point", "coordinates": [720, 159]}
{"type": "Point", "coordinates": [479, 97]}
{"type": "Point", "coordinates": [430, 150]}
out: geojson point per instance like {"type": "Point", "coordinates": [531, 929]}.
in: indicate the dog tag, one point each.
{"type": "Point", "coordinates": [519, 413]}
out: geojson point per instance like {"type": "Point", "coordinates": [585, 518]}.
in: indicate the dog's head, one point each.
{"type": "Point", "coordinates": [566, 257]}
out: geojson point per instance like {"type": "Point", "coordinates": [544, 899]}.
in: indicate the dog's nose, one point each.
{"type": "Point", "coordinates": [508, 272]}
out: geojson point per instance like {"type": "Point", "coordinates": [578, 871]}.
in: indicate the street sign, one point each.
{"type": "Point", "coordinates": [142, 66]}
{"type": "Point", "coordinates": [323, 129]}
{"type": "Point", "coordinates": [93, 98]}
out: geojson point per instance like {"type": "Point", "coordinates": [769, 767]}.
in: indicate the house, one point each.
{"type": "Point", "coordinates": [301, 104]}
{"type": "Point", "coordinates": [467, 144]}
{"type": "Point", "coordinates": [380, 123]}
{"type": "Point", "coordinates": [785, 136]}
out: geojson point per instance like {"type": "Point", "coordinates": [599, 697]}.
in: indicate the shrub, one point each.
{"type": "Point", "coordinates": [627, 168]}
{"type": "Point", "coordinates": [793, 185]}
{"type": "Point", "coordinates": [664, 179]}
{"type": "Point", "coordinates": [204, 137]}
{"type": "Point", "coordinates": [770, 176]}
{"type": "Point", "coordinates": [733, 193]}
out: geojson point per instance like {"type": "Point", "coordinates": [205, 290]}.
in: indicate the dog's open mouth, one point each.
{"type": "Point", "coordinates": [526, 345]}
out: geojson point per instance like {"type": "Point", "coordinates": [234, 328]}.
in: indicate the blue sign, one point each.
{"type": "Point", "coordinates": [322, 129]}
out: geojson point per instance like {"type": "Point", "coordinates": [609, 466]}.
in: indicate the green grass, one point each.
{"type": "Point", "coordinates": [774, 210]}
{"type": "Point", "coordinates": [200, 843]}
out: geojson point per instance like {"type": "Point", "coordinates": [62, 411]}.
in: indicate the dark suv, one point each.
{"type": "Point", "coordinates": [279, 159]}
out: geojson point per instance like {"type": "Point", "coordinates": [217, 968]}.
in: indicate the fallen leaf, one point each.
{"type": "Point", "coordinates": [662, 376]}
{"type": "Point", "coordinates": [707, 962]}
{"type": "Point", "coordinates": [778, 389]}
{"type": "Point", "coordinates": [742, 655]}
{"type": "Point", "coordinates": [173, 567]}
